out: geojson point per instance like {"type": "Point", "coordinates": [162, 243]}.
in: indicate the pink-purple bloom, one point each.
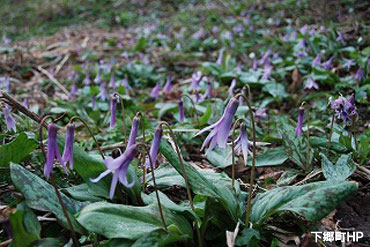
{"type": "Point", "coordinates": [311, 84]}
{"type": "Point", "coordinates": [220, 57]}
{"type": "Point", "coordinates": [344, 108]}
{"type": "Point", "coordinates": [157, 137]}
{"type": "Point", "coordinates": [9, 120]}
{"type": "Point", "coordinates": [195, 80]}
{"type": "Point", "coordinates": [112, 83]}
{"type": "Point", "coordinates": [317, 61]}
{"type": "Point", "coordinates": [126, 84]}
{"type": "Point", "coordinates": [221, 129]}
{"type": "Point", "coordinates": [328, 64]}
{"type": "Point", "coordinates": [181, 111]}
{"type": "Point", "coordinates": [119, 166]}
{"type": "Point", "coordinates": [348, 63]}
{"type": "Point", "coordinates": [208, 93]}
{"type": "Point", "coordinates": [260, 113]}
{"type": "Point", "coordinates": [232, 87]}
{"type": "Point", "coordinates": [168, 86]}
{"type": "Point", "coordinates": [103, 94]}
{"type": "Point", "coordinates": [68, 146]}
{"type": "Point", "coordinates": [298, 130]}
{"type": "Point", "coordinates": [52, 151]}
{"type": "Point", "coordinates": [359, 75]}
{"type": "Point", "coordinates": [242, 144]}
{"type": "Point", "coordinates": [156, 91]}
{"type": "Point", "coordinates": [87, 80]}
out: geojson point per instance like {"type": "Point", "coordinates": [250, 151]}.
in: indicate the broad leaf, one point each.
{"type": "Point", "coordinates": [130, 222]}
{"type": "Point", "coordinates": [17, 150]}
{"type": "Point", "coordinates": [81, 193]}
{"type": "Point", "coordinates": [40, 195]}
{"type": "Point", "coordinates": [313, 201]}
{"type": "Point", "coordinates": [272, 157]}
{"type": "Point", "coordinates": [220, 157]}
{"type": "Point", "coordinates": [207, 114]}
{"type": "Point", "coordinates": [343, 168]}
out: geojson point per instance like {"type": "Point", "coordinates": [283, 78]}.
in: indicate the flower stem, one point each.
{"type": "Point", "coordinates": [123, 117]}
{"type": "Point", "coordinates": [91, 133]}
{"type": "Point", "coordinates": [195, 116]}
{"type": "Point", "coordinates": [233, 152]}
{"type": "Point", "coordinates": [181, 162]}
{"type": "Point", "coordinates": [146, 148]}
{"type": "Point", "coordinates": [331, 131]}
{"type": "Point", "coordinates": [139, 114]}
{"type": "Point", "coordinates": [251, 183]}
{"type": "Point", "coordinates": [75, 240]}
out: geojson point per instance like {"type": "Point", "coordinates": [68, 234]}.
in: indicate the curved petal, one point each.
{"type": "Point", "coordinates": [113, 185]}
{"type": "Point", "coordinates": [102, 175]}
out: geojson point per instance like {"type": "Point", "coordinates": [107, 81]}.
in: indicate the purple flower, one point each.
{"type": "Point", "coordinates": [302, 44]}
{"type": "Point", "coordinates": [328, 64]}
{"type": "Point", "coordinates": [103, 94]}
{"type": "Point", "coordinates": [348, 63]}
{"type": "Point", "coordinates": [255, 65]}
{"type": "Point", "coordinates": [221, 129]}
{"type": "Point", "coordinates": [267, 70]}
{"type": "Point", "coordinates": [260, 113]}
{"type": "Point", "coordinates": [112, 83]}
{"type": "Point", "coordinates": [232, 87]}
{"type": "Point", "coordinates": [5, 82]}
{"type": "Point", "coordinates": [312, 32]}
{"type": "Point", "coordinates": [265, 58]}
{"type": "Point", "coordinates": [113, 110]}
{"type": "Point", "coordinates": [344, 108]}
{"type": "Point", "coordinates": [208, 93]}
{"type": "Point", "coordinates": [157, 137]}
{"type": "Point", "coordinates": [239, 68]}
{"type": "Point", "coordinates": [156, 90]}
{"type": "Point", "coordinates": [119, 165]}
{"type": "Point", "coordinates": [298, 130]}
{"type": "Point", "coordinates": [93, 100]}
{"type": "Point", "coordinates": [220, 57]}
{"type": "Point", "coordinates": [340, 37]}
{"type": "Point", "coordinates": [317, 61]}
{"type": "Point", "coordinates": [304, 29]}
{"type": "Point", "coordinates": [168, 86]}
{"type": "Point", "coordinates": [73, 92]}
{"type": "Point", "coordinates": [97, 78]}
{"type": "Point", "coordinates": [242, 144]}
{"type": "Point", "coordinates": [311, 84]}
{"type": "Point", "coordinates": [52, 151]}
{"type": "Point", "coordinates": [181, 111]}
{"type": "Point", "coordinates": [9, 120]}
{"type": "Point", "coordinates": [26, 102]}
{"type": "Point", "coordinates": [195, 80]}
{"type": "Point", "coordinates": [126, 84]}
{"type": "Point", "coordinates": [197, 97]}
{"type": "Point", "coordinates": [87, 80]}
{"type": "Point", "coordinates": [68, 146]}
{"type": "Point", "coordinates": [359, 75]}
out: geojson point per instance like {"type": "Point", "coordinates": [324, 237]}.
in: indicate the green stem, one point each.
{"type": "Point", "coordinates": [233, 152]}
{"type": "Point", "coordinates": [123, 117]}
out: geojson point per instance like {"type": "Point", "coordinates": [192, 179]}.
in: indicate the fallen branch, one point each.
{"type": "Point", "coordinates": [52, 78]}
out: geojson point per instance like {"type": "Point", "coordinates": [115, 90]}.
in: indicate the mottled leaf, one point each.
{"type": "Point", "coordinates": [17, 150]}
{"type": "Point", "coordinates": [341, 170]}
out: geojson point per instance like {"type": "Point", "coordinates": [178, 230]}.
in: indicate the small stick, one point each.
{"type": "Point", "coordinates": [52, 78]}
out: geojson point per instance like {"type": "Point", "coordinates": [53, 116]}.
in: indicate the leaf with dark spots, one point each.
{"type": "Point", "coordinates": [40, 195]}
{"type": "Point", "coordinates": [313, 201]}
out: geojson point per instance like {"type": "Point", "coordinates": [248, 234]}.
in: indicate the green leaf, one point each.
{"type": "Point", "coordinates": [40, 195]}
{"type": "Point", "coordinates": [220, 157]}
{"type": "Point", "coordinates": [313, 201]}
{"type": "Point", "coordinates": [323, 143]}
{"type": "Point", "coordinates": [249, 238]}
{"type": "Point", "coordinates": [130, 222]}
{"type": "Point", "coordinates": [203, 186]}
{"type": "Point", "coordinates": [276, 90]}
{"type": "Point", "coordinates": [81, 193]}
{"type": "Point", "coordinates": [272, 157]}
{"type": "Point", "coordinates": [17, 150]}
{"type": "Point", "coordinates": [21, 237]}
{"type": "Point", "coordinates": [207, 114]}
{"type": "Point", "coordinates": [343, 168]}
{"type": "Point", "coordinates": [30, 221]}
{"type": "Point", "coordinates": [165, 177]}
{"type": "Point", "coordinates": [47, 242]}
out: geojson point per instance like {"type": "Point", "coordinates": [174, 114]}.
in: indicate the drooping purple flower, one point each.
{"type": "Point", "coordinates": [239, 68]}
{"type": "Point", "coordinates": [208, 93]}
{"type": "Point", "coordinates": [359, 75]}
{"type": "Point", "coordinates": [157, 137]}
{"type": "Point", "coordinates": [328, 64]}
{"type": "Point", "coordinates": [312, 32]}
{"type": "Point", "coordinates": [298, 130]}
{"type": "Point", "coordinates": [87, 80]}
{"type": "Point", "coordinates": [195, 80]}
{"type": "Point", "coordinates": [344, 108]}
{"type": "Point", "coordinates": [197, 97]}
{"type": "Point", "coordinates": [112, 83]}
{"type": "Point", "coordinates": [221, 129]}
{"type": "Point", "coordinates": [26, 102]}
{"type": "Point", "coordinates": [126, 84]}
{"type": "Point", "coordinates": [73, 92]}
{"type": "Point", "coordinates": [97, 79]}
{"type": "Point", "coordinates": [311, 84]}
{"type": "Point", "coordinates": [302, 44]}
{"type": "Point", "coordinates": [67, 156]}
{"type": "Point", "coordinates": [5, 83]}
{"type": "Point", "coordinates": [255, 65]}
{"type": "Point", "coordinates": [220, 57]}
{"type": "Point", "coordinates": [119, 165]}
{"type": "Point", "coordinates": [155, 91]}
{"type": "Point", "coordinates": [9, 120]}
{"type": "Point", "coordinates": [340, 37]}
{"type": "Point", "coordinates": [265, 58]}
{"type": "Point", "coordinates": [52, 151]}
{"type": "Point", "coordinates": [348, 63]}
{"type": "Point", "coordinates": [301, 53]}
{"type": "Point", "coordinates": [267, 70]}
{"type": "Point", "coordinates": [260, 113]}
{"type": "Point", "coordinates": [232, 87]}
{"type": "Point", "coordinates": [304, 29]}
{"type": "Point", "coordinates": [181, 110]}
{"type": "Point", "coordinates": [93, 100]}
{"type": "Point", "coordinates": [317, 61]}
{"type": "Point", "coordinates": [242, 144]}
{"type": "Point", "coordinates": [168, 86]}
{"type": "Point", "coordinates": [103, 94]}
{"type": "Point", "coordinates": [113, 111]}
